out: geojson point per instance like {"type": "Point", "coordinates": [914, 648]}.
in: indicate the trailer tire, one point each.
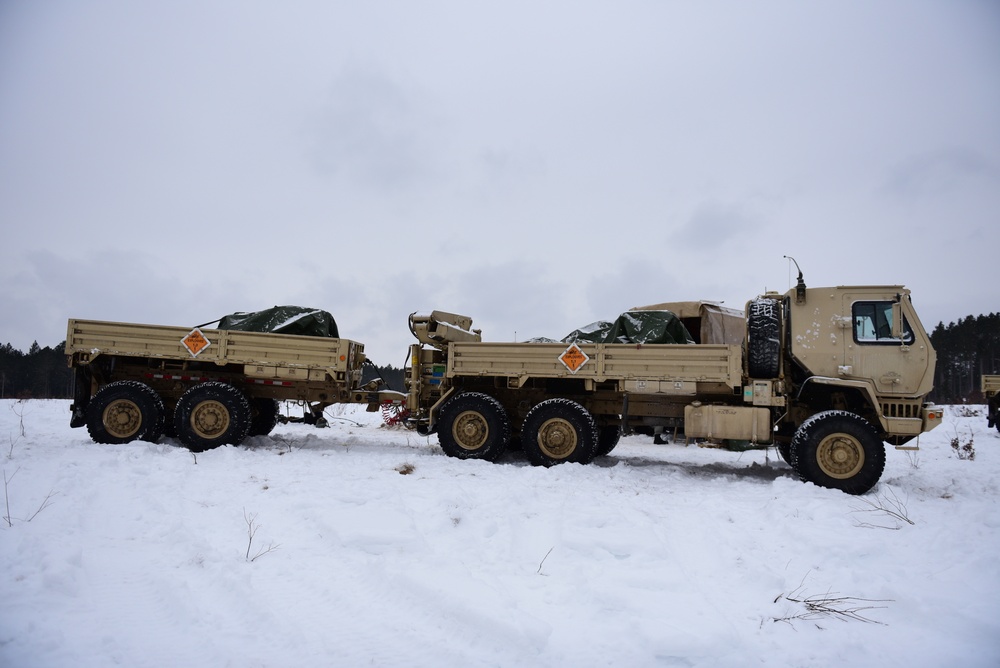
{"type": "Point", "coordinates": [125, 411]}
{"type": "Point", "coordinates": [212, 414]}
{"type": "Point", "coordinates": [263, 416]}
{"type": "Point", "coordinates": [558, 431]}
{"type": "Point", "coordinates": [839, 450]}
{"type": "Point", "coordinates": [763, 339]}
{"type": "Point", "coordinates": [473, 425]}
{"type": "Point", "coordinates": [607, 439]}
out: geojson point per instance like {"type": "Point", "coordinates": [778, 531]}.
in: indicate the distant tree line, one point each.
{"type": "Point", "coordinates": [392, 376]}
{"type": "Point", "coordinates": [41, 373]}
{"type": "Point", "coordinates": [966, 350]}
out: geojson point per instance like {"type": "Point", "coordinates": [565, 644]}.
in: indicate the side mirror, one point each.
{"type": "Point", "coordinates": [897, 321]}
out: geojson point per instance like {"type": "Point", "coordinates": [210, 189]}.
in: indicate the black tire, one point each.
{"type": "Point", "coordinates": [839, 450]}
{"type": "Point", "coordinates": [993, 411]}
{"type": "Point", "coordinates": [263, 416]}
{"type": "Point", "coordinates": [212, 414]}
{"type": "Point", "coordinates": [473, 425]}
{"type": "Point", "coordinates": [785, 450]}
{"type": "Point", "coordinates": [764, 338]}
{"type": "Point", "coordinates": [125, 411]}
{"type": "Point", "coordinates": [168, 423]}
{"type": "Point", "coordinates": [558, 431]}
{"type": "Point", "coordinates": [607, 438]}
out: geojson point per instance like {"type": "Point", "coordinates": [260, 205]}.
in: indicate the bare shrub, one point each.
{"type": "Point", "coordinates": [885, 503]}
{"type": "Point", "coordinates": [252, 527]}
{"type": "Point", "coordinates": [964, 448]}
{"type": "Point", "coordinates": [46, 502]}
{"type": "Point", "coordinates": [829, 605]}
{"type": "Point", "coordinates": [18, 409]}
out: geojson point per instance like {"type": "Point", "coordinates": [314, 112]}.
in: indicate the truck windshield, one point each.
{"type": "Point", "coordinates": [873, 324]}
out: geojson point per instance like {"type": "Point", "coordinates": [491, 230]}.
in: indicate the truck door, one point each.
{"type": "Point", "coordinates": [876, 349]}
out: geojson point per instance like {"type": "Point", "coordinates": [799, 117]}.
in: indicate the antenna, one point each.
{"type": "Point", "coordinates": [800, 286]}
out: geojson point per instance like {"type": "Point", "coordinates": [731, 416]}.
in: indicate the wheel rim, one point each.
{"type": "Point", "coordinates": [557, 438]}
{"type": "Point", "coordinates": [210, 419]}
{"type": "Point", "coordinates": [470, 430]}
{"type": "Point", "coordinates": [122, 418]}
{"type": "Point", "coordinates": [840, 456]}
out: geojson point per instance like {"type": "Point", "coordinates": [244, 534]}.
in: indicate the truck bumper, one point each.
{"type": "Point", "coordinates": [931, 416]}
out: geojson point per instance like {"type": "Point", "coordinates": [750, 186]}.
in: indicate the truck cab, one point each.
{"type": "Point", "coordinates": [862, 348]}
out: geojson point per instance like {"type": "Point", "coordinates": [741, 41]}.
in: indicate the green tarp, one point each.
{"type": "Point", "coordinates": [634, 327]}
{"type": "Point", "coordinates": [284, 320]}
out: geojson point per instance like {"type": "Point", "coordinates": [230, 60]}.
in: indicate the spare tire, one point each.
{"type": "Point", "coordinates": [763, 338]}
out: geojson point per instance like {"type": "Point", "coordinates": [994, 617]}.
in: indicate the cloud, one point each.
{"type": "Point", "coordinates": [717, 224]}
{"type": "Point", "coordinates": [536, 168]}
{"type": "Point", "coordinates": [939, 172]}
{"type": "Point", "coordinates": [371, 131]}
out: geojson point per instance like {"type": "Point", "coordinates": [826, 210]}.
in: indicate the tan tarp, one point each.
{"type": "Point", "coordinates": [708, 322]}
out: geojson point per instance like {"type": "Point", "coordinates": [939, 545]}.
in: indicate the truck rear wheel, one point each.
{"type": "Point", "coordinates": [763, 339]}
{"type": "Point", "coordinates": [125, 411]}
{"type": "Point", "coordinates": [473, 425]}
{"type": "Point", "coordinates": [557, 431]}
{"type": "Point", "coordinates": [839, 450]}
{"type": "Point", "coordinates": [607, 438]}
{"type": "Point", "coordinates": [212, 414]}
{"type": "Point", "coordinates": [264, 416]}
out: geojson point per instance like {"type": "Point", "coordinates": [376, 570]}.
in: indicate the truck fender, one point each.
{"type": "Point", "coordinates": [432, 413]}
{"type": "Point", "coordinates": [860, 387]}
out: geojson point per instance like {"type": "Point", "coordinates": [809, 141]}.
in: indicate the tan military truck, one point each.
{"type": "Point", "coordinates": [990, 385]}
{"type": "Point", "coordinates": [207, 386]}
{"type": "Point", "coordinates": [827, 375]}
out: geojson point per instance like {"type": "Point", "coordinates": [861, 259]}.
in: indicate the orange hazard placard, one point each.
{"type": "Point", "coordinates": [195, 342]}
{"type": "Point", "coordinates": [573, 358]}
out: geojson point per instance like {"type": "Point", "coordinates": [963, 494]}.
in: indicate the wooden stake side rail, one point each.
{"type": "Point", "coordinates": [93, 338]}
{"type": "Point", "coordinates": [607, 361]}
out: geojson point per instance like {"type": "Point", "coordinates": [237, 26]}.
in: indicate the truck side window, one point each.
{"type": "Point", "coordinates": [873, 323]}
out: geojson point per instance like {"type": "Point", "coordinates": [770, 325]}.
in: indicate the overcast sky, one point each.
{"type": "Point", "coordinates": [535, 165]}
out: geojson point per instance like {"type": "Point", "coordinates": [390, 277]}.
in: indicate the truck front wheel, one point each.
{"type": "Point", "coordinates": [212, 414]}
{"type": "Point", "coordinates": [125, 411]}
{"type": "Point", "coordinates": [839, 450]}
{"type": "Point", "coordinates": [473, 425]}
{"type": "Point", "coordinates": [557, 431]}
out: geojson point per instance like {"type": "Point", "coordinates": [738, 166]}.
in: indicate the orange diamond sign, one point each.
{"type": "Point", "coordinates": [573, 358]}
{"type": "Point", "coordinates": [195, 342]}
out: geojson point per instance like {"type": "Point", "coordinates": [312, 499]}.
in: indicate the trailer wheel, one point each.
{"type": "Point", "coordinates": [557, 431]}
{"type": "Point", "coordinates": [125, 411]}
{"type": "Point", "coordinates": [264, 416]}
{"type": "Point", "coordinates": [607, 438]}
{"type": "Point", "coordinates": [473, 425]}
{"type": "Point", "coordinates": [839, 450]}
{"type": "Point", "coordinates": [763, 339]}
{"type": "Point", "coordinates": [211, 414]}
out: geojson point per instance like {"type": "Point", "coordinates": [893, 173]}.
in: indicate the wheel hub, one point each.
{"type": "Point", "coordinates": [840, 456]}
{"type": "Point", "coordinates": [557, 438]}
{"type": "Point", "coordinates": [122, 418]}
{"type": "Point", "coordinates": [210, 419]}
{"type": "Point", "coordinates": [470, 430]}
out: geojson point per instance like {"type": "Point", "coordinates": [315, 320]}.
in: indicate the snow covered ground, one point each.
{"type": "Point", "coordinates": [375, 549]}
